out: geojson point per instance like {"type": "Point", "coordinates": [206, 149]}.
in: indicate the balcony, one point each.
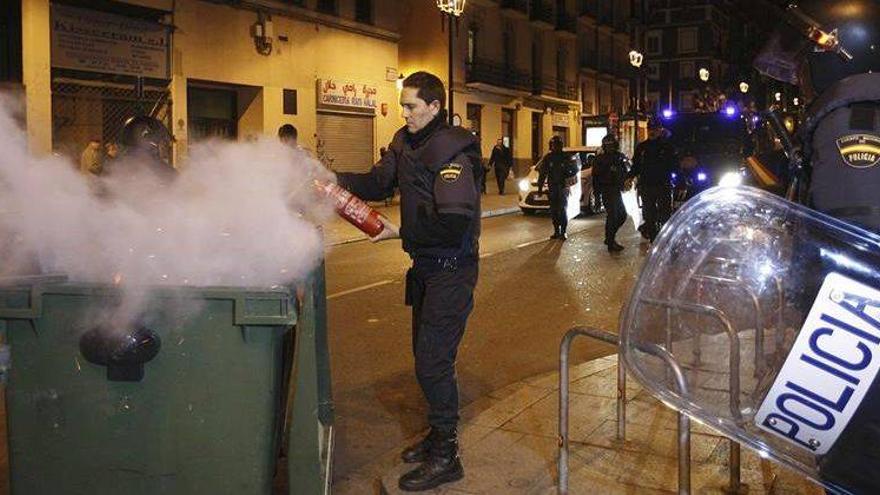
{"type": "Point", "coordinates": [541, 14]}
{"type": "Point", "coordinates": [555, 88]}
{"type": "Point", "coordinates": [515, 8]}
{"type": "Point", "coordinates": [587, 10]}
{"type": "Point", "coordinates": [496, 74]}
{"type": "Point", "coordinates": [590, 59]}
{"type": "Point", "coordinates": [566, 24]}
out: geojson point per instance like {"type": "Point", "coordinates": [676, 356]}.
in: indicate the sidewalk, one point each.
{"type": "Point", "coordinates": [509, 445]}
{"type": "Point", "coordinates": [338, 231]}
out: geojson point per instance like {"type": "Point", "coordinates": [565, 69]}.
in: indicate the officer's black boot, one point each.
{"type": "Point", "coordinates": [442, 466]}
{"type": "Point", "coordinates": [419, 451]}
{"type": "Point", "coordinates": [555, 232]}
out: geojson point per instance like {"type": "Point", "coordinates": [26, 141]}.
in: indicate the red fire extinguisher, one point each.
{"type": "Point", "coordinates": [358, 213]}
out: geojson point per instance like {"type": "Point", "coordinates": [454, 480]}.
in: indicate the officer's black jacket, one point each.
{"type": "Point", "coordinates": [653, 162]}
{"type": "Point", "coordinates": [438, 172]}
{"type": "Point", "coordinates": [609, 171]}
{"type": "Point", "coordinates": [555, 169]}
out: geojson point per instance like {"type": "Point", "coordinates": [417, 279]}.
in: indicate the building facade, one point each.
{"type": "Point", "coordinates": [683, 37]}
{"type": "Point", "coordinates": [214, 69]}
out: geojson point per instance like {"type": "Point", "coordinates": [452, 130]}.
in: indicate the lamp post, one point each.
{"type": "Point", "coordinates": [635, 59]}
{"type": "Point", "coordinates": [452, 9]}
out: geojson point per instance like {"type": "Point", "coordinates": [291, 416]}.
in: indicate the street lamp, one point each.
{"type": "Point", "coordinates": [704, 74]}
{"type": "Point", "coordinates": [452, 9]}
{"type": "Point", "coordinates": [744, 87]}
{"type": "Point", "coordinates": [635, 59]}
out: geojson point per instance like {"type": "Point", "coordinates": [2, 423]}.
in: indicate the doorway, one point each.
{"type": "Point", "coordinates": [537, 135]}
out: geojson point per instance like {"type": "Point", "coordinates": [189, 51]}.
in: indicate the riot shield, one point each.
{"type": "Point", "coordinates": [772, 311]}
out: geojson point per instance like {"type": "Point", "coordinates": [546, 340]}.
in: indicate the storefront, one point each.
{"type": "Point", "coordinates": [346, 111]}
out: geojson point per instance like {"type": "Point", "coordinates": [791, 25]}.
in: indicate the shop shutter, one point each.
{"type": "Point", "coordinates": [345, 142]}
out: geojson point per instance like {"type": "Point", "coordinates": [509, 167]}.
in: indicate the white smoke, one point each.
{"type": "Point", "coordinates": [238, 214]}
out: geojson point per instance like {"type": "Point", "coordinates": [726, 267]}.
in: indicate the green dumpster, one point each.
{"type": "Point", "coordinates": [189, 397]}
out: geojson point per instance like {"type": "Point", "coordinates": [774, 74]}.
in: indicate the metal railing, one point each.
{"type": "Point", "coordinates": [521, 6]}
{"type": "Point", "coordinates": [497, 74]}
{"type": "Point", "coordinates": [554, 87]}
{"type": "Point", "coordinates": [684, 434]}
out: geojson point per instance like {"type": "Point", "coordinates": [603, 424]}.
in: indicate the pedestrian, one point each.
{"type": "Point", "coordinates": [610, 173]}
{"type": "Point", "coordinates": [438, 168]}
{"type": "Point", "coordinates": [654, 161]}
{"type": "Point", "coordinates": [559, 172]}
{"type": "Point", "coordinates": [501, 160]}
{"type": "Point", "coordinates": [90, 158]}
{"type": "Point", "coordinates": [288, 135]}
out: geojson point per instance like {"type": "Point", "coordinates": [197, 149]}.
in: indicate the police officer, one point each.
{"type": "Point", "coordinates": [830, 49]}
{"type": "Point", "coordinates": [559, 172]}
{"type": "Point", "coordinates": [437, 168]}
{"type": "Point", "coordinates": [609, 176]}
{"type": "Point", "coordinates": [654, 161]}
{"type": "Point", "coordinates": [147, 142]}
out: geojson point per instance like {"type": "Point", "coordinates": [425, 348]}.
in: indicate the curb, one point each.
{"type": "Point", "coordinates": [486, 214]}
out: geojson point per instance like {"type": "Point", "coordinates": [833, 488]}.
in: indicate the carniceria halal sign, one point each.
{"type": "Point", "coordinates": [346, 95]}
{"type": "Point", "coordinates": [92, 41]}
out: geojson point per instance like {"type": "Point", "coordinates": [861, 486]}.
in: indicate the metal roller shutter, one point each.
{"type": "Point", "coordinates": [347, 140]}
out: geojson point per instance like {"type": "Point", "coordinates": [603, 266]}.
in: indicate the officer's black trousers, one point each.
{"type": "Point", "coordinates": [501, 173]}
{"type": "Point", "coordinates": [558, 207]}
{"type": "Point", "coordinates": [615, 212]}
{"type": "Point", "coordinates": [442, 297]}
{"type": "Point", "coordinates": [656, 207]}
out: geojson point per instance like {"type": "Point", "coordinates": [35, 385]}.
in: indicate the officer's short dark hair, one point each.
{"type": "Point", "coordinates": [287, 131]}
{"type": "Point", "coordinates": [429, 87]}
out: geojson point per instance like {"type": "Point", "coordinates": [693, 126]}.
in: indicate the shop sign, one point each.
{"type": "Point", "coordinates": [560, 119]}
{"type": "Point", "coordinates": [93, 41]}
{"type": "Point", "coordinates": [348, 94]}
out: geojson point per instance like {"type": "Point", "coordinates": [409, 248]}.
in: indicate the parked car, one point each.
{"type": "Point", "coordinates": [531, 202]}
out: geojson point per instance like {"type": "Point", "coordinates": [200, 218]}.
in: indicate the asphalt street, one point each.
{"type": "Point", "coordinates": [531, 290]}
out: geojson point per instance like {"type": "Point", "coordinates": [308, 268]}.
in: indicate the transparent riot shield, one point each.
{"type": "Point", "coordinates": [773, 313]}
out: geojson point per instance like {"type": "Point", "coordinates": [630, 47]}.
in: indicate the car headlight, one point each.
{"type": "Point", "coordinates": [730, 179]}
{"type": "Point", "coordinates": [524, 185]}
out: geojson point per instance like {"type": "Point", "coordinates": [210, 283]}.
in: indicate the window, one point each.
{"type": "Point", "coordinates": [686, 69]}
{"type": "Point", "coordinates": [363, 11]}
{"type": "Point", "coordinates": [474, 117]}
{"type": "Point", "coordinates": [687, 40]}
{"type": "Point", "coordinates": [686, 100]}
{"type": "Point", "coordinates": [560, 64]}
{"type": "Point", "coordinates": [10, 42]}
{"type": "Point", "coordinates": [654, 42]}
{"type": "Point", "coordinates": [507, 47]}
{"type": "Point", "coordinates": [653, 71]}
{"type": "Point", "coordinates": [472, 45]}
{"type": "Point", "coordinates": [289, 102]}
{"type": "Point", "coordinates": [327, 6]}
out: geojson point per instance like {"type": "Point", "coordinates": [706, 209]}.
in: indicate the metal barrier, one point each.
{"type": "Point", "coordinates": [684, 438]}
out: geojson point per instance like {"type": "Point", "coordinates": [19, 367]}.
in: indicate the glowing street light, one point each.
{"type": "Point", "coordinates": [796, 101]}
{"type": "Point", "coordinates": [636, 58]}
{"type": "Point", "coordinates": [778, 96]}
{"type": "Point", "coordinates": [704, 74]}
{"type": "Point", "coordinates": [451, 7]}
{"type": "Point", "coordinates": [744, 87]}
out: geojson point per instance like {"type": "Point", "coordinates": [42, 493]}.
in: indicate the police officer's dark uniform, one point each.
{"type": "Point", "coordinates": [558, 171]}
{"type": "Point", "coordinates": [654, 161]}
{"type": "Point", "coordinates": [609, 175]}
{"type": "Point", "coordinates": [841, 147]}
{"type": "Point", "coordinates": [438, 172]}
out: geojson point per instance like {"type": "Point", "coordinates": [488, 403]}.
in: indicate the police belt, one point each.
{"type": "Point", "coordinates": [442, 262]}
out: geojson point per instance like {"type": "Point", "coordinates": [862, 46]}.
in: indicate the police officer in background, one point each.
{"type": "Point", "coordinates": [831, 50]}
{"type": "Point", "coordinates": [654, 161]}
{"type": "Point", "coordinates": [437, 168]}
{"type": "Point", "coordinates": [609, 176]}
{"type": "Point", "coordinates": [559, 172]}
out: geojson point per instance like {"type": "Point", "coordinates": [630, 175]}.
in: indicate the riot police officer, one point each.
{"type": "Point", "coordinates": [654, 161]}
{"type": "Point", "coordinates": [830, 50]}
{"type": "Point", "coordinates": [437, 168]}
{"type": "Point", "coordinates": [559, 172]}
{"type": "Point", "coordinates": [609, 176]}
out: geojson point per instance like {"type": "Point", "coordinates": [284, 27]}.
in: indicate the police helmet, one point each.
{"type": "Point", "coordinates": [822, 42]}
{"type": "Point", "coordinates": [145, 133]}
{"type": "Point", "coordinates": [609, 143]}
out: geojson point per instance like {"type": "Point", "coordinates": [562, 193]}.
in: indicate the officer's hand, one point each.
{"type": "Point", "coordinates": [391, 231]}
